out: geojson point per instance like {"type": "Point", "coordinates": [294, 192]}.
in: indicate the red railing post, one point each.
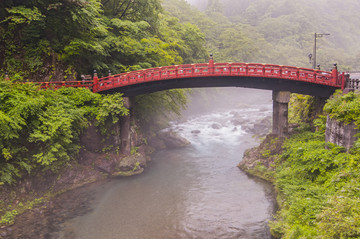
{"type": "Point", "coordinates": [343, 81]}
{"type": "Point", "coordinates": [297, 74]}
{"type": "Point", "coordinates": [263, 70]}
{"type": "Point", "coordinates": [211, 64]}
{"type": "Point", "coordinates": [95, 82]}
{"type": "Point", "coordinates": [334, 74]}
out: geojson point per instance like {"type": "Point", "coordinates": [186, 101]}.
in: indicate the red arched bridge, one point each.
{"type": "Point", "coordinates": [249, 75]}
{"type": "Point", "coordinates": [280, 79]}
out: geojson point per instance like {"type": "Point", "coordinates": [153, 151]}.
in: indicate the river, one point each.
{"type": "Point", "coordinates": [193, 192]}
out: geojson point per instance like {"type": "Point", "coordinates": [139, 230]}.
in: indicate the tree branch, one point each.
{"type": "Point", "coordinates": [126, 9]}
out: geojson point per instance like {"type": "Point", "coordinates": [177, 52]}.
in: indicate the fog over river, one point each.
{"type": "Point", "coordinates": [193, 192]}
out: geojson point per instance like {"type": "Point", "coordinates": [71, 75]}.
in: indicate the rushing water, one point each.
{"type": "Point", "coordinates": [193, 192]}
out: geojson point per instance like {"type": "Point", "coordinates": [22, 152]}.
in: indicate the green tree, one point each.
{"type": "Point", "coordinates": [214, 6]}
{"type": "Point", "coordinates": [36, 35]}
{"type": "Point", "coordinates": [133, 10]}
{"type": "Point", "coordinates": [41, 129]}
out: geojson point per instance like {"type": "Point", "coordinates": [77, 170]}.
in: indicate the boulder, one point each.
{"type": "Point", "coordinates": [238, 121]}
{"type": "Point", "coordinates": [216, 126]}
{"type": "Point", "coordinates": [131, 162]}
{"type": "Point", "coordinates": [249, 128]}
{"type": "Point", "coordinates": [105, 166]}
{"type": "Point", "coordinates": [156, 143]}
{"type": "Point", "coordinates": [173, 140]}
{"type": "Point", "coordinates": [262, 126]}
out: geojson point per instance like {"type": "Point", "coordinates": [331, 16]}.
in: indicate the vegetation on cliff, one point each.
{"type": "Point", "coordinates": [42, 133]}
{"type": "Point", "coordinates": [344, 108]}
{"type": "Point", "coordinates": [40, 129]}
{"type": "Point", "coordinates": [59, 40]}
{"type": "Point", "coordinates": [317, 182]}
{"type": "Point", "coordinates": [318, 190]}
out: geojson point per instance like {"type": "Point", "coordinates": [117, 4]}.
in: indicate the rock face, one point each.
{"type": "Point", "coordinates": [271, 145]}
{"type": "Point", "coordinates": [91, 139]}
{"type": "Point", "coordinates": [339, 133]}
{"type": "Point", "coordinates": [262, 156]}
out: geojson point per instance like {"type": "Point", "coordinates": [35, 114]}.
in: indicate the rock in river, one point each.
{"type": "Point", "coordinates": [195, 131]}
{"type": "Point", "coordinates": [173, 140]}
{"type": "Point", "coordinates": [216, 126]}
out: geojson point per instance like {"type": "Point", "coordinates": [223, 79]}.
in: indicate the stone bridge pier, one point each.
{"type": "Point", "coordinates": [125, 124]}
{"type": "Point", "coordinates": [281, 101]}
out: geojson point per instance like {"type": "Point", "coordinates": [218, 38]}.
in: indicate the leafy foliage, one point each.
{"type": "Point", "coordinates": [318, 183]}
{"type": "Point", "coordinates": [340, 218]}
{"type": "Point", "coordinates": [111, 108]}
{"type": "Point", "coordinates": [39, 37]}
{"type": "Point", "coordinates": [344, 107]}
{"type": "Point", "coordinates": [40, 129]}
{"type": "Point", "coordinates": [9, 217]}
{"type": "Point", "coordinates": [21, 14]}
{"type": "Point", "coordinates": [300, 108]}
{"type": "Point", "coordinates": [56, 40]}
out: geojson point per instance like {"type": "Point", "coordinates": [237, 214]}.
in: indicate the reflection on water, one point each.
{"type": "Point", "coordinates": [194, 192]}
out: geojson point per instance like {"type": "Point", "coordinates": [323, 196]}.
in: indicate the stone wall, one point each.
{"type": "Point", "coordinates": [340, 133]}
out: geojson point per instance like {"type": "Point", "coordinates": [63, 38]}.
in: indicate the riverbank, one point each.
{"type": "Point", "coordinates": [317, 187]}
{"type": "Point", "coordinates": [33, 197]}
{"type": "Point", "coordinates": [200, 179]}
{"type": "Point", "coordinates": [260, 161]}
{"type": "Point", "coordinates": [192, 192]}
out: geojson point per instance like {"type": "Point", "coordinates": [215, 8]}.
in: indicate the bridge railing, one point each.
{"type": "Point", "coordinates": [353, 84]}
{"type": "Point", "coordinates": [332, 78]}
{"type": "Point", "coordinates": [220, 69]}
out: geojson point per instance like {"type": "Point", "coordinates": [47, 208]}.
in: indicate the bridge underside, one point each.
{"type": "Point", "coordinates": [274, 84]}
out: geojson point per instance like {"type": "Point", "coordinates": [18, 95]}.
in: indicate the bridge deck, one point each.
{"type": "Point", "coordinates": [185, 75]}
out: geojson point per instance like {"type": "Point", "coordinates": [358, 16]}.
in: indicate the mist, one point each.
{"type": "Point", "coordinates": [217, 100]}
{"type": "Point", "coordinates": [278, 31]}
{"type": "Point", "coordinates": [200, 4]}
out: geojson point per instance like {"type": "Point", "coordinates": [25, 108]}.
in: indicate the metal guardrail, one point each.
{"type": "Point", "coordinates": [353, 84]}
